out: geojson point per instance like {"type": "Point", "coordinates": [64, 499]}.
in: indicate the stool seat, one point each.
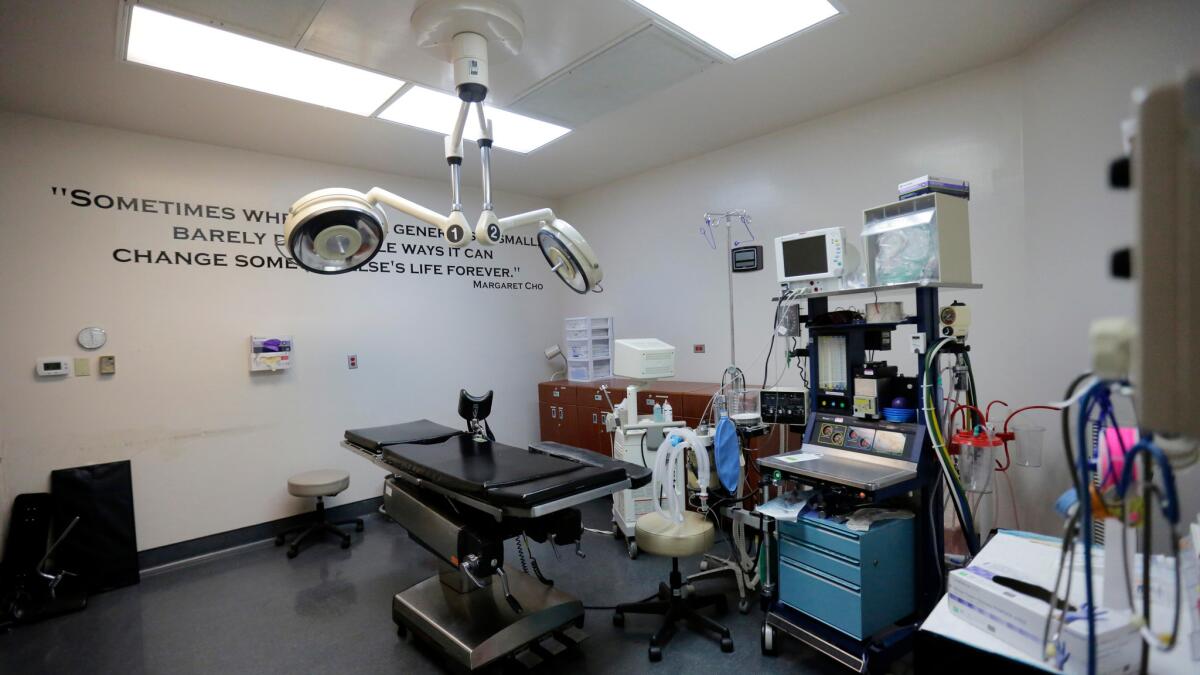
{"type": "Point", "coordinates": [319, 483]}
{"type": "Point", "coordinates": [658, 535]}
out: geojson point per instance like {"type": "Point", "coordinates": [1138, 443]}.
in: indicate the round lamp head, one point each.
{"type": "Point", "coordinates": [569, 256]}
{"type": "Point", "coordinates": [334, 230]}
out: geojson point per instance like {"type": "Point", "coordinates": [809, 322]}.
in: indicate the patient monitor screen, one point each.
{"type": "Point", "coordinates": [805, 256]}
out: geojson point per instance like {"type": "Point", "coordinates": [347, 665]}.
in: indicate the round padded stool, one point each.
{"type": "Point", "coordinates": [321, 483]}
{"type": "Point", "coordinates": [659, 535]}
{"type": "Point", "coordinates": [664, 537]}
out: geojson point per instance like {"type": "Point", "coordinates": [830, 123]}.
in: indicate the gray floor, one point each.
{"type": "Point", "coordinates": [329, 610]}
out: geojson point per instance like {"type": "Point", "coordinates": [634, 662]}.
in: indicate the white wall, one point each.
{"type": "Point", "coordinates": [1034, 135]}
{"type": "Point", "coordinates": [211, 444]}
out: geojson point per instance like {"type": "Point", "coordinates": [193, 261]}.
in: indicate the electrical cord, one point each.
{"type": "Point", "coordinates": [1169, 507]}
{"type": "Point", "coordinates": [774, 332]}
{"type": "Point", "coordinates": [950, 474]}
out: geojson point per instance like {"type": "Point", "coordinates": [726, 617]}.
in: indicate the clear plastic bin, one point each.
{"type": "Point", "coordinates": [577, 351]}
{"type": "Point", "coordinates": [600, 349]}
{"type": "Point", "coordinates": [579, 371]}
{"type": "Point", "coordinates": [579, 323]}
{"type": "Point", "coordinates": [601, 369]}
{"type": "Point", "coordinates": [578, 335]}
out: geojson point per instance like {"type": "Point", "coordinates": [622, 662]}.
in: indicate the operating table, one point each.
{"type": "Point", "coordinates": [461, 495]}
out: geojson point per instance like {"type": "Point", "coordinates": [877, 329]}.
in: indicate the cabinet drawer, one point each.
{"type": "Point", "coordinates": [559, 394]}
{"type": "Point", "coordinates": [821, 559]}
{"type": "Point", "coordinates": [823, 534]}
{"type": "Point", "coordinates": [822, 596]}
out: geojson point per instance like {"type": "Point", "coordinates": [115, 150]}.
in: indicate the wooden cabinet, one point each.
{"type": "Point", "coordinates": [558, 423]}
{"type": "Point", "coordinates": [573, 412]}
{"type": "Point", "coordinates": [591, 432]}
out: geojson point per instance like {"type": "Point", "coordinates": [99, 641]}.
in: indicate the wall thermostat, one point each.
{"type": "Point", "coordinates": [92, 337]}
{"type": "Point", "coordinates": [746, 258]}
{"type": "Point", "coordinates": [53, 367]}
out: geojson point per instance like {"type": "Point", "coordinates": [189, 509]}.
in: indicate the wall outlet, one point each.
{"type": "Point", "coordinates": [352, 361]}
{"type": "Point", "coordinates": [697, 349]}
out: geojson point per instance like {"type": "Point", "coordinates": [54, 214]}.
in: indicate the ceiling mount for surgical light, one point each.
{"type": "Point", "coordinates": [339, 230]}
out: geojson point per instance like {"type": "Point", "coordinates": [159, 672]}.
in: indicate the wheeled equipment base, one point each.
{"type": "Point", "coordinates": [479, 627]}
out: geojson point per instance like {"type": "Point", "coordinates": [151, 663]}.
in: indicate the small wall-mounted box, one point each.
{"type": "Point", "coordinates": [270, 353]}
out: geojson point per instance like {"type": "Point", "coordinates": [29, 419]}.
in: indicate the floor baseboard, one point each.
{"type": "Point", "coordinates": [194, 551]}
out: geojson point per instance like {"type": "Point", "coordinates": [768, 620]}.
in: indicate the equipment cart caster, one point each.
{"type": "Point", "coordinates": [633, 550]}
{"type": "Point", "coordinates": [767, 641]}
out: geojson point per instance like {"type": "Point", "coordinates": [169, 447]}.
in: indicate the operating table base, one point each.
{"type": "Point", "coordinates": [479, 627]}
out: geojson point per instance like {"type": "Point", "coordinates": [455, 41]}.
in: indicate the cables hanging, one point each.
{"type": "Point", "coordinates": [949, 472]}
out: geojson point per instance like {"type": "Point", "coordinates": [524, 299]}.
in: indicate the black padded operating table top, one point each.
{"type": "Point", "coordinates": [490, 471]}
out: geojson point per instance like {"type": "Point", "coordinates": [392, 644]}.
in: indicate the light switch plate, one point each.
{"type": "Point", "coordinates": [82, 367]}
{"type": "Point", "coordinates": [108, 365]}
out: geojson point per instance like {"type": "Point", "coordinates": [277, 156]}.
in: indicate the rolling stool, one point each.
{"type": "Point", "coordinates": [320, 484]}
{"type": "Point", "coordinates": [659, 536]}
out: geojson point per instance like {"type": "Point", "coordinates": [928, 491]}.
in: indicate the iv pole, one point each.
{"type": "Point", "coordinates": [726, 220]}
{"type": "Point", "coordinates": [713, 565]}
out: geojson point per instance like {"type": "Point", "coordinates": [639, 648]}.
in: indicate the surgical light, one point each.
{"type": "Point", "coordinates": [738, 28]}
{"type": "Point", "coordinates": [339, 230]}
{"type": "Point", "coordinates": [433, 110]}
{"type": "Point", "coordinates": [168, 42]}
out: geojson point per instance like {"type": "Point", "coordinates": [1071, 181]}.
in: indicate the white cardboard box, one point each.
{"type": "Point", "coordinates": [1019, 619]}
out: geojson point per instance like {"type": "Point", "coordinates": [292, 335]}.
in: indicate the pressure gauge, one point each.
{"type": "Point", "coordinates": [92, 337]}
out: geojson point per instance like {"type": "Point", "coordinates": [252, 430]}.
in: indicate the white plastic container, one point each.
{"type": "Point", "coordinates": [588, 342]}
{"type": "Point", "coordinates": [923, 239]}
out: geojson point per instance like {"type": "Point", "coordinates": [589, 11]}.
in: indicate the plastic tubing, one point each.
{"type": "Point", "coordinates": [666, 464]}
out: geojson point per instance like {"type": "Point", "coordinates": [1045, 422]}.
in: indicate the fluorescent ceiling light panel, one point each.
{"type": "Point", "coordinates": [738, 27]}
{"type": "Point", "coordinates": [171, 43]}
{"type": "Point", "coordinates": [436, 111]}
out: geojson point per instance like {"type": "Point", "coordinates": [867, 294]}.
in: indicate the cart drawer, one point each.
{"type": "Point", "coordinates": [822, 559]}
{"type": "Point", "coordinates": [822, 596]}
{"type": "Point", "coordinates": [824, 534]}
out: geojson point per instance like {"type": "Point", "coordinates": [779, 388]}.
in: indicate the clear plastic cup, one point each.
{"type": "Point", "coordinates": [1027, 445]}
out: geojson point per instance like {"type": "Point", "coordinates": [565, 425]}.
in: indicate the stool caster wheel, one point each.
{"type": "Point", "coordinates": [655, 654]}
{"type": "Point", "coordinates": [727, 645]}
{"type": "Point", "coordinates": [744, 606]}
{"type": "Point", "coordinates": [345, 543]}
{"type": "Point", "coordinates": [703, 565]}
{"type": "Point", "coordinates": [619, 620]}
{"type": "Point", "coordinates": [279, 540]}
{"type": "Point", "coordinates": [633, 550]}
{"type": "Point", "coordinates": [358, 526]}
{"type": "Point", "coordinates": [292, 553]}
